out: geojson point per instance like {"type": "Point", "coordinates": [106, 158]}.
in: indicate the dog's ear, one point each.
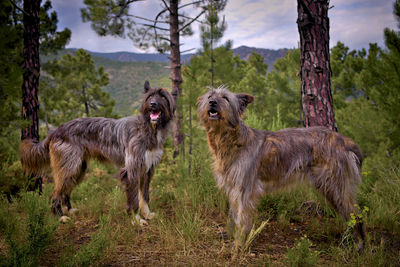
{"type": "Point", "coordinates": [244, 100]}
{"type": "Point", "coordinates": [146, 86]}
{"type": "Point", "coordinates": [199, 99]}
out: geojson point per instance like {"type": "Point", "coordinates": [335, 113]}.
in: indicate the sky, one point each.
{"type": "Point", "coordinates": [255, 23]}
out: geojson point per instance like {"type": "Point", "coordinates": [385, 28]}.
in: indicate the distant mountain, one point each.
{"type": "Point", "coordinates": [270, 55]}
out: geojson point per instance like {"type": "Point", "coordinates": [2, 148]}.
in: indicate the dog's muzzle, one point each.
{"type": "Point", "coordinates": [213, 110]}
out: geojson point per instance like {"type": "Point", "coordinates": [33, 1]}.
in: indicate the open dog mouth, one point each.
{"type": "Point", "coordinates": [155, 115]}
{"type": "Point", "coordinates": [213, 114]}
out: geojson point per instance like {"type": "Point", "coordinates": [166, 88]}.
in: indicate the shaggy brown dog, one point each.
{"type": "Point", "coordinates": [249, 162]}
{"type": "Point", "coordinates": [133, 143]}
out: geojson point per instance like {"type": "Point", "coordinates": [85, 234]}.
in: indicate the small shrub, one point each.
{"type": "Point", "coordinates": [28, 237]}
{"type": "Point", "coordinates": [301, 254]}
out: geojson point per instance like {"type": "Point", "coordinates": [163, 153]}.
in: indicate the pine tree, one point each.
{"type": "Point", "coordinates": [76, 89]}
{"type": "Point", "coordinates": [30, 85]}
{"type": "Point", "coordinates": [380, 78]}
{"type": "Point", "coordinates": [212, 31]}
{"type": "Point", "coordinates": [283, 87]}
{"type": "Point", "coordinates": [313, 25]}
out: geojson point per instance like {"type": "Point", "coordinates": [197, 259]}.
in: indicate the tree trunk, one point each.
{"type": "Point", "coordinates": [30, 85]}
{"type": "Point", "coordinates": [30, 102]}
{"type": "Point", "coordinates": [315, 73]}
{"type": "Point", "coordinates": [176, 77]}
{"type": "Point", "coordinates": [85, 100]}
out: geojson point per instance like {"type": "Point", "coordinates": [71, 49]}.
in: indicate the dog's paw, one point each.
{"type": "Point", "coordinates": [64, 219]}
{"type": "Point", "coordinates": [138, 220]}
{"type": "Point", "coordinates": [72, 211]}
{"type": "Point", "coordinates": [149, 215]}
{"type": "Point", "coordinates": [143, 222]}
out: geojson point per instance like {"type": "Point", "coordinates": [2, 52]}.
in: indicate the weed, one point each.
{"type": "Point", "coordinates": [301, 254]}
{"type": "Point", "coordinates": [253, 234]}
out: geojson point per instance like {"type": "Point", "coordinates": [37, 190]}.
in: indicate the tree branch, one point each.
{"type": "Point", "coordinates": [20, 9]}
{"type": "Point", "coordinates": [154, 27]}
{"type": "Point", "coordinates": [187, 50]}
{"type": "Point", "coordinates": [186, 17]}
{"type": "Point", "coordinates": [166, 6]}
{"type": "Point", "coordinates": [194, 19]}
{"type": "Point", "coordinates": [193, 3]}
{"type": "Point", "coordinates": [149, 20]}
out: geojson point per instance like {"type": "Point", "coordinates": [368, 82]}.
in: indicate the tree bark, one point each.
{"type": "Point", "coordinates": [315, 73]}
{"type": "Point", "coordinates": [30, 101]}
{"type": "Point", "coordinates": [176, 77]}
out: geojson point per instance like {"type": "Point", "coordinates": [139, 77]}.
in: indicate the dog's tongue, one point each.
{"type": "Point", "coordinates": [154, 115]}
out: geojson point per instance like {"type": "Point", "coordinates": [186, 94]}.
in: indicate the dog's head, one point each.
{"type": "Point", "coordinates": [158, 105]}
{"type": "Point", "coordinates": [222, 107]}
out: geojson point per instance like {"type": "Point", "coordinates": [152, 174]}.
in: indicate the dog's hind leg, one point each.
{"type": "Point", "coordinates": [144, 195]}
{"type": "Point", "coordinates": [340, 192]}
{"type": "Point", "coordinates": [66, 163]}
{"type": "Point", "coordinates": [76, 180]}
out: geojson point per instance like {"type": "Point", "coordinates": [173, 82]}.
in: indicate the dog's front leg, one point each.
{"type": "Point", "coordinates": [131, 190]}
{"type": "Point", "coordinates": [144, 195]}
{"type": "Point", "coordinates": [131, 184]}
{"type": "Point", "coordinates": [241, 215]}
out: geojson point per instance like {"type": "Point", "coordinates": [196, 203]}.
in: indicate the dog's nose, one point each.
{"type": "Point", "coordinates": [212, 102]}
{"type": "Point", "coordinates": [153, 104]}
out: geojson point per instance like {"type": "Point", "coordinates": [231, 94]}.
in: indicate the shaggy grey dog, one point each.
{"type": "Point", "coordinates": [250, 163]}
{"type": "Point", "coordinates": [133, 143]}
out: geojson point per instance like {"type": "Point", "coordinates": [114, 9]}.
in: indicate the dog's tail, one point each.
{"type": "Point", "coordinates": [34, 156]}
{"type": "Point", "coordinates": [351, 146]}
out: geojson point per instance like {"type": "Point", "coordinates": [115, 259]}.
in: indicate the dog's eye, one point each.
{"type": "Point", "coordinates": [226, 98]}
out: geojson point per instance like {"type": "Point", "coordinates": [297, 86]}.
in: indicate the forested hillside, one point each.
{"type": "Point", "coordinates": [128, 71]}
{"type": "Point", "coordinates": [126, 79]}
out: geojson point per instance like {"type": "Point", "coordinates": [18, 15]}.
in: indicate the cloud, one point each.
{"type": "Point", "coordinates": [358, 23]}
{"type": "Point", "coordinates": [259, 23]}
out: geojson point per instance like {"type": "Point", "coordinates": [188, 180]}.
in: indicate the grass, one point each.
{"type": "Point", "coordinates": [190, 227]}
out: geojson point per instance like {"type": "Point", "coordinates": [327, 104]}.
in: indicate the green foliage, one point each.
{"type": "Point", "coordinates": [27, 237]}
{"type": "Point", "coordinates": [380, 80]}
{"type": "Point", "coordinates": [365, 124]}
{"type": "Point", "coordinates": [98, 13]}
{"type": "Point", "coordinates": [11, 48]}
{"type": "Point", "coordinates": [75, 89]}
{"type": "Point", "coordinates": [212, 29]}
{"type": "Point", "coordinates": [12, 179]}
{"type": "Point", "coordinates": [380, 192]}
{"type": "Point", "coordinates": [283, 87]}
{"type": "Point", "coordinates": [301, 255]}
{"type": "Point", "coordinates": [50, 39]}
